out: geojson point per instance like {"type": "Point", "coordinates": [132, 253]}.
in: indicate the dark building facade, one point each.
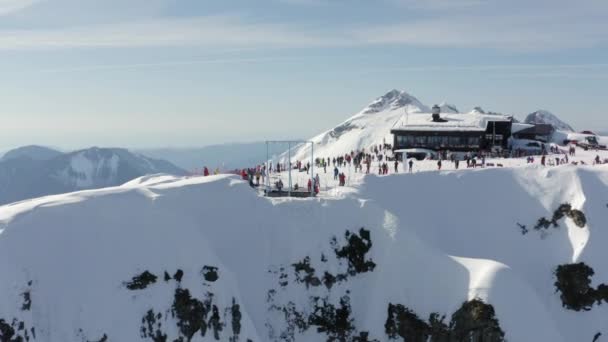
{"type": "Point", "coordinates": [446, 135]}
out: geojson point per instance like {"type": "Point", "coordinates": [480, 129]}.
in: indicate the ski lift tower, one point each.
{"type": "Point", "coordinates": [290, 144]}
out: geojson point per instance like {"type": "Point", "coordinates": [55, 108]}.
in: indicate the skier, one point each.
{"type": "Point", "coordinates": [411, 165]}
{"type": "Point", "coordinates": [336, 172]}
{"type": "Point", "coordinates": [205, 172]}
{"type": "Point", "coordinates": [396, 165]}
{"type": "Point", "coordinates": [439, 164]}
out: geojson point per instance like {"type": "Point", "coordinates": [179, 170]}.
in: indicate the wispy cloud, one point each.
{"type": "Point", "coordinates": [438, 4]}
{"type": "Point", "coordinates": [199, 31]}
{"type": "Point", "coordinates": [512, 32]}
{"type": "Point", "coordinates": [540, 29]}
{"type": "Point", "coordinates": [169, 64]}
{"type": "Point", "coordinates": [12, 6]}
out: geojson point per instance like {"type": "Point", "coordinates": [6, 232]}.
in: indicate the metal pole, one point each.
{"type": "Point", "coordinates": [289, 166]}
{"type": "Point", "coordinates": [312, 166]}
{"type": "Point", "coordinates": [267, 171]}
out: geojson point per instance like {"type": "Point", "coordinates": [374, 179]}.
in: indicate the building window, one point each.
{"type": "Point", "coordinates": [473, 141]}
{"type": "Point", "coordinates": [421, 140]}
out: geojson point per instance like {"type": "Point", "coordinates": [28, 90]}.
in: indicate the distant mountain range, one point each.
{"type": "Point", "coordinates": [225, 156]}
{"type": "Point", "coordinates": [34, 171]}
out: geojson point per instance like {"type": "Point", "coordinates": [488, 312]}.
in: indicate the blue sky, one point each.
{"type": "Point", "coordinates": [152, 73]}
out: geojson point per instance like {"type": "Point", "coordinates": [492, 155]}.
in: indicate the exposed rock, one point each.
{"type": "Point", "coordinates": [151, 327]}
{"type": "Point", "coordinates": [210, 273]}
{"type": "Point", "coordinates": [474, 321]}
{"type": "Point", "coordinates": [355, 252]}
{"type": "Point", "coordinates": [141, 281]}
{"type": "Point", "coordinates": [306, 273]}
{"type": "Point", "coordinates": [336, 322]}
{"type": "Point", "coordinates": [564, 210]}
{"type": "Point", "coordinates": [190, 313]}
{"type": "Point", "coordinates": [179, 274]}
{"type": "Point", "coordinates": [574, 284]}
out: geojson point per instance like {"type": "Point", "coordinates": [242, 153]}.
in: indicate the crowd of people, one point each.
{"type": "Point", "coordinates": [382, 155]}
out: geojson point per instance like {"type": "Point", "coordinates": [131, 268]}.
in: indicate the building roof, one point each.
{"type": "Point", "coordinates": [470, 122]}
{"type": "Point", "coordinates": [539, 129]}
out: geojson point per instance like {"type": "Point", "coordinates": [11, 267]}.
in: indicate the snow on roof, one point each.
{"type": "Point", "coordinates": [454, 122]}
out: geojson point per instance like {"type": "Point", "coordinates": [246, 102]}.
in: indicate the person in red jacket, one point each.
{"type": "Point", "coordinates": [309, 185]}
{"type": "Point", "coordinates": [206, 172]}
{"type": "Point", "coordinates": [244, 175]}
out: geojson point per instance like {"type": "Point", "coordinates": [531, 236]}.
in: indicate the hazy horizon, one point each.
{"type": "Point", "coordinates": [162, 73]}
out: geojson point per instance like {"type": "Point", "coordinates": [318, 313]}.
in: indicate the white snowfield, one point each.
{"type": "Point", "coordinates": [438, 239]}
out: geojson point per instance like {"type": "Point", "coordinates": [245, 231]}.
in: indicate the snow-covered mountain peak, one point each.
{"type": "Point", "coordinates": [542, 116]}
{"type": "Point", "coordinates": [33, 152]}
{"type": "Point", "coordinates": [448, 108]}
{"type": "Point", "coordinates": [478, 110]}
{"type": "Point", "coordinates": [393, 100]}
{"type": "Point", "coordinates": [27, 177]}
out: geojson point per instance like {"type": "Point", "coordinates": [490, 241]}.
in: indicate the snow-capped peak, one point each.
{"type": "Point", "coordinates": [448, 108]}
{"type": "Point", "coordinates": [545, 117]}
{"type": "Point", "coordinates": [395, 99]}
{"type": "Point", "coordinates": [478, 110]}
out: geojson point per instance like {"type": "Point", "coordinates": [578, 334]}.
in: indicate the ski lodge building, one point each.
{"type": "Point", "coordinates": [454, 132]}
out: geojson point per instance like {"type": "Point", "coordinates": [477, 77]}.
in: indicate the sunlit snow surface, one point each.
{"type": "Point", "coordinates": [439, 238]}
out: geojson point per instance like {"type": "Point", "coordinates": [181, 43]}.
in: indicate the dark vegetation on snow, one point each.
{"type": "Point", "coordinates": [306, 273]}
{"type": "Point", "coordinates": [354, 251]}
{"type": "Point", "coordinates": [333, 318]}
{"type": "Point", "coordinates": [179, 274]}
{"type": "Point", "coordinates": [564, 210]}
{"type": "Point", "coordinates": [151, 327]}
{"type": "Point", "coordinates": [573, 281]}
{"type": "Point", "coordinates": [81, 335]}
{"type": "Point", "coordinates": [235, 312]}
{"type": "Point", "coordinates": [596, 337]}
{"type": "Point", "coordinates": [141, 281]}
{"type": "Point", "coordinates": [27, 298]}
{"type": "Point", "coordinates": [210, 273]}
{"type": "Point", "coordinates": [192, 315]}
{"type": "Point", "coordinates": [474, 321]}
{"type": "Point", "coordinates": [16, 331]}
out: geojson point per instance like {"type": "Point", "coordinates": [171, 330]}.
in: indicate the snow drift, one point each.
{"type": "Point", "coordinates": [166, 258]}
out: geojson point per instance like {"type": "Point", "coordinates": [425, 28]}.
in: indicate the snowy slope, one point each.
{"type": "Point", "coordinates": [369, 127]}
{"type": "Point", "coordinates": [22, 178]}
{"type": "Point", "coordinates": [546, 117]}
{"type": "Point", "coordinates": [265, 274]}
